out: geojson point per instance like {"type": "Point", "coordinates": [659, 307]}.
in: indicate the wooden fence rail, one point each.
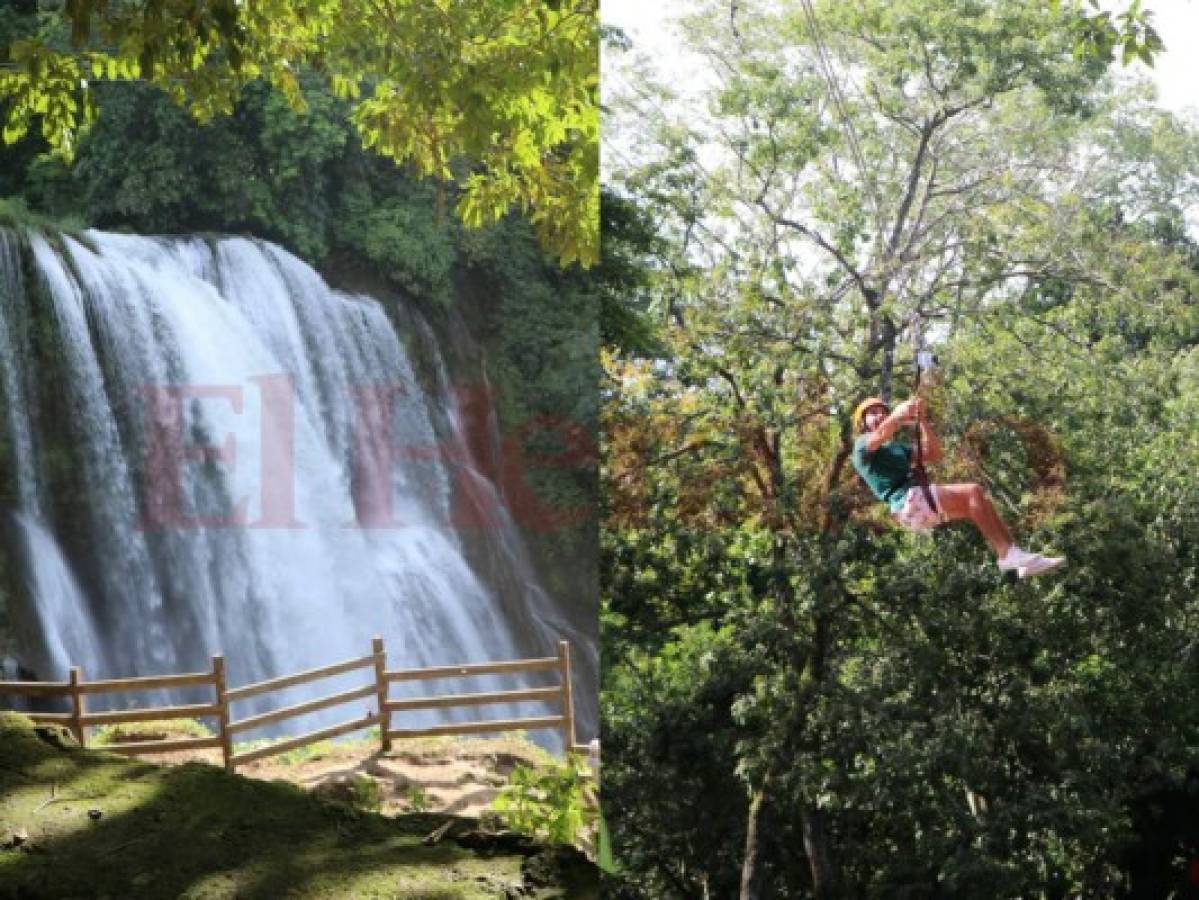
{"type": "Point", "coordinates": [388, 710]}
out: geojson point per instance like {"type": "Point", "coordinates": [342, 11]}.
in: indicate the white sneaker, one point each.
{"type": "Point", "coordinates": [1014, 559]}
{"type": "Point", "coordinates": [1040, 565]}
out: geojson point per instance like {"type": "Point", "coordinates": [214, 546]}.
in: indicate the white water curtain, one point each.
{"type": "Point", "coordinates": [236, 345]}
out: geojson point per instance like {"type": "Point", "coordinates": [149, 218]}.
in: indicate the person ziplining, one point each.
{"type": "Point", "coordinates": [895, 474]}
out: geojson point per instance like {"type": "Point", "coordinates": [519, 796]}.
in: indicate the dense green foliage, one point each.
{"type": "Point", "coordinates": [504, 93]}
{"type": "Point", "coordinates": [296, 178]}
{"type": "Point", "coordinates": [799, 699]}
{"type": "Point", "coordinates": [550, 803]}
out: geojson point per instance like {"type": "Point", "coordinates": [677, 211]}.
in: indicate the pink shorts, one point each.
{"type": "Point", "coordinates": [916, 514]}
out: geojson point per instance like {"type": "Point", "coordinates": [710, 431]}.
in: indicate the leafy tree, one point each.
{"type": "Point", "coordinates": [623, 275]}
{"type": "Point", "coordinates": [509, 88]}
{"type": "Point", "coordinates": [1102, 32]}
{"type": "Point", "coordinates": [905, 723]}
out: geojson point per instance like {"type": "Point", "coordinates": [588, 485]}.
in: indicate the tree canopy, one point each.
{"type": "Point", "coordinates": [498, 97]}
{"type": "Point", "coordinates": [876, 714]}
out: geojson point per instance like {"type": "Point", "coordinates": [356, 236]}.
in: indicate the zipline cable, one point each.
{"type": "Point", "coordinates": [829, 75]}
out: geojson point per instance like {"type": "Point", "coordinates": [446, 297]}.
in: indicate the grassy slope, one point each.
{"type": "Point", "coordinates": [193, 831]}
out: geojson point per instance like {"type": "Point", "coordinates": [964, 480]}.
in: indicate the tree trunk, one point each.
{"type": "Point", "coordinates": [751, 864]}
{"type": "Point", "coordinates": [815, 842]}
{"type": "Point", "coordinates": [887, 344]}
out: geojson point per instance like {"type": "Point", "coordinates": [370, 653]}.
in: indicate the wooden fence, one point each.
{"type": "Point", "coordinates": [387, 714]}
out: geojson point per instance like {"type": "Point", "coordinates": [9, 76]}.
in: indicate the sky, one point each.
{"type": "Point", "coordinates": [1176, 70]}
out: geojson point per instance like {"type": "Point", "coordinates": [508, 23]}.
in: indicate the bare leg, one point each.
{"type": "Point", "coordinates": [970, 502]}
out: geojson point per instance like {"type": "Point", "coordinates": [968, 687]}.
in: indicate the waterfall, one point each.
{"type": "Point", "coordinates": [14, 364]}
{"type": "Point", "coordinates": [64, 620]}
{"type": "Point", "coordinates": [211, 402]}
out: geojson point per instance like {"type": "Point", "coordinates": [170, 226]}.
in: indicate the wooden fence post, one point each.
{"type": "Point", "coordinates": [222, 702]}
{"type": "Point", "coordinates": [593, 757]}
{"type": "Point", "coordinates": [381, 685]}
{"type": "Point", "coordinates": [77, 706]}
{"type": "Point", "coordinates": [593, 763]}
{"type": "Point", "coordinates": [568, 703]}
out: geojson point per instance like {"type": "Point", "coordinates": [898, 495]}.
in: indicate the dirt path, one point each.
{"type": "Point", "coordinates": [456, 776]}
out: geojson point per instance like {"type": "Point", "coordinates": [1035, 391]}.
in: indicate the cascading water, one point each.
{"type": "Point", "coordinates": [213, 400]}
{"type": "Point", "coordinates": [64, 620]}
{"type": "Point", "coordinates": [14, 366]}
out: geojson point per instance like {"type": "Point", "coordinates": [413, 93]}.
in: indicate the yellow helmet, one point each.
{"type": "Point", "coordinates": [861, 409]}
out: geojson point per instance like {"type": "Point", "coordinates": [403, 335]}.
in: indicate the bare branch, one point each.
{"type": "Point", "coordinates": [909, 195]}
{"type": "Point", "coordinates": [816, 237]}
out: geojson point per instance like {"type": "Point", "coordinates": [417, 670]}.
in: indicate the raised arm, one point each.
{"type": "Point", "coordinates": [886, 429]}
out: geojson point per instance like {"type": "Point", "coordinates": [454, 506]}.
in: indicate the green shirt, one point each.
{"type": "Point", "coordinates": [887, 470]}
